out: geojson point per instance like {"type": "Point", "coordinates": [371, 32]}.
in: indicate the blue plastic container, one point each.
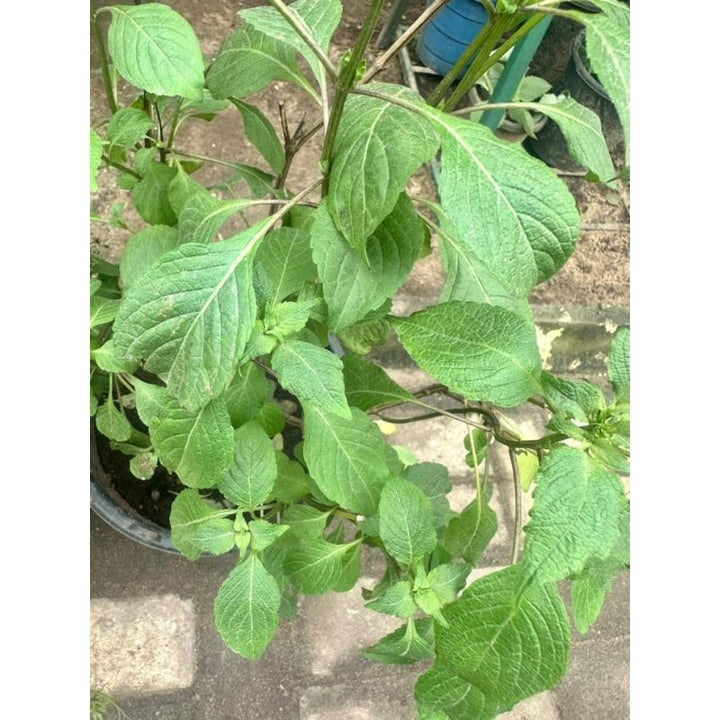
{"type": "Point", "coordinates": [446, 37]}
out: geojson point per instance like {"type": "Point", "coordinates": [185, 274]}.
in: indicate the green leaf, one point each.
{"type": "Point", "coordinates": [264, 533]}
{"type": "Point", "coordinates": [107, 359]}
{"type": "Point", "coordinates": [247, 393]}
{"type": "Point", "coordinates": [582, 131]}
{"type": "Point", "coordinates": [446, 581]}
{"type": "Point", "coordinates": [285, 257]}
{"type": "Point", "coordinates": [190, 315]}
{"type": "Point", "coordinates": [489, 189]}
{"type": "Point", "coordinates": [112, 423]}
{"type": "Point", "coordinates": [351, 570]}
{"type": "Point", "coordinates": [181, 189]}
{"type": "Point", "coordinates": [367, 385]}
{"type": "Point", "coordinates": [346, 458]}
{"type": "Point", "coordinates": [258, 181]}
{"type": "Point", "coordinates": [291, 483]}
{"type": "Point", "coordinates": [150, 195]}
{"type": "Point", "coordinates": [379, 146]}
{"type": "Point", "coordinates": [203, 215]}
{"type": "Point", "coordinates": [316, 565]}
{"type": "Point", "coordinates": [251, 475]}
{"type": "Point", "coordinates": [408, 644]}
{"type": "Point", "coordinates": [313, 374]}
{"type": "Point", "coordinates": [502, 644]}
{"type": "Point", "coordinates": [128, 126]}
{"type": "Point", "coordinates": [246, 608]}
{"type": "Point", "coordinates": [582, 400]}
{"type": "Point", "coordinates": [528, 465]}
{"type": "Point", "coordinates": [396, 600]}
{"type": "Point", "coordinates": [618, 364]}
{"type": "Point", "coordinates": [272, 419]}
{"type": "Point", "coordinates": [406, 521]}
{"type": "Point", "coordinates": [260, 132]}
{"type": "Point", "coordinates": [197, 526]}
{"type": "Point", "coordinates": [96, 149]}
{"type": "Point", "coordinates": [288, 318]}
{"type": "Point", "coordinates": [575, 515]}
{"type": "Point", "coordinates": [482, 351]}
{"type": "Point", "coordinates": [102, 310]}
{"type": "Point", "coordinates": [248, 61]}
{"type": "Point", "coordinates": [355, 282]}
{"type": "Point", "coordinates": [143, 249]}
{"type": "Point", "coordinates": [362, 337]}
{"type": "Point", "coordinates": [154, 48]}
{"type": "Point", "coordinates": [434, 480]}
{"type": "Point", "coordinates": [468, 535]}
{"type": "Point", "coordinates": [321, 17]}
{"type": "Point", "coordinates": [608, 48]}
{"type": "Point", "coordinates": [143, 465]}
{"type": "Point", "coordinates": [305, 521]}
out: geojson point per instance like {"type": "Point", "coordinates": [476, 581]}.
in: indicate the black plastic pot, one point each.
{"type": "Point", "coordinates": [579, 82]}
{"type": "Point", "coordinates": [111, 507]}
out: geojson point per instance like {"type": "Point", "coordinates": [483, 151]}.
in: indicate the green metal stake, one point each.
{"type": "Point", "coordinates": [514, 72]}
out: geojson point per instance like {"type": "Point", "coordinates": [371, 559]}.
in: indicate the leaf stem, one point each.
{"type": "Point", "coordinates": [104, 63]}
{"type": "Point", "coordinates": [403, 40]}
{"type": "Point", "coordinates": [174, 125]}
{"type": "Point", "coordinates": [347, 79]}
{"type": "Point", "coordinates": [122, 167]}
{"type": "Point", "coordinates": [302, 29]}
{"type": "Point", "coordinates": [518, 507]}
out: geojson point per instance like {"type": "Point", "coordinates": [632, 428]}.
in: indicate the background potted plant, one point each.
{"type": "Point", "coordinates": [209, 356]}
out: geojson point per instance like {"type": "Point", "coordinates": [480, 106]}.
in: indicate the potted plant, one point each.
{"type": "Point", "coordinates": [210, 357]}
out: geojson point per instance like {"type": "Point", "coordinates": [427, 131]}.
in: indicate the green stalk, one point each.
{"type": "Point", "coordinates": [347, 79]}
{"type": "Point", "coordinates": [107, 80]}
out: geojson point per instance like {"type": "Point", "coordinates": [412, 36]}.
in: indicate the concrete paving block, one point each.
{"type": "Point", "coordinates": [142, 645]}
{"type": "Point", "coordinates": [539, 707]}
{"type": "Point", "coordinates": [385, 698]}
{"type": "Point", "coordinates": [335, 629]}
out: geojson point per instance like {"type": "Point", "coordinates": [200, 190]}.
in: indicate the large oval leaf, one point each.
{"type": "Point", "coordinates": [154, 48]}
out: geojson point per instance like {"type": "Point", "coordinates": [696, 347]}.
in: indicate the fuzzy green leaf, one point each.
{"type": "Point", "coordinates": [367, 385]}
{"type": "Point", "coordinates": [482, 351]}
{"type": "Point", "coordinates": [246, 608]}
{"type": "Point", "coordinates": [112, 423]}
{"type": "Point", "coordinates": [619, 364]}
{"type": "Point", "coordinates": [190, 315]}
{"type": "Point", "coordinates": [379, 146]}
{"type": "Point", "coordinates": [362, 337]}
{"type": "Point", "coordinates": [251, 475]}
{"type": "Point", "coordinates": [292, 481]}
{"type": "Point", "coordinates": [264, 533]}
{"type": "Point", "coordinates": [313, 374]}
{"type": "Point", "coordinates": [128, 126]}
{"type": "Point", "coordinates": [397, 600]}
{"type": "Point", "coordinates": [346, 458]}
{"type": "Point", "coordinates": [489, 189]}
{"type": "Point", "coordinates": [107, 359]}
{"type": "Point", "coordinates": [143, 249]}
{"type": "Point", "coordinates": [285, 257]}
{"type": "Point", "coordinates": [305, 521]}
{"type": "Point", "coordinates": [197, 445]}
{"type": "Point", "coordinates": [316, 565]}
{"type": "Point", "coordinates": [203, 215]}
{"type": "Point", "coordinates": [580, 399]}
{"type": "Point", "coordinates": [434, 480]}
{"type": "Point", "coordinates": [406, 521]}
{"type": "Point", "coordinates": [197, 526]}
{"type": "Point", "coordinates": [150, 195]}
{"type": "Point", "coordinates": [250, 60]}
{"type": "Point", "coordinates": [321, 17]}
{"type": "Point", "coordinates": [468, 535]}
{"type": "Point", "coordinates": [247, 393]}
{"type": "Point", "coordinates": [96, 148]}
{"type": "Point", "coordinates": [155, 49]}
{"type": "Point", "coordinates": [260, 132]}
{"type": "Point", "coordinates": [354, 284]}
{"type": "Point", "coordinates": [501, 645]}
{"type": "Point", "coordinates": [575, 515]}
{"type": "Point", "coordinates": [143, 465]}
{"type": "Point", "coordinates": [446, 581]}
{"type": "Point", "coordinates": [608, 48]}
{"type": "Point", "coordinates": [408, 644]}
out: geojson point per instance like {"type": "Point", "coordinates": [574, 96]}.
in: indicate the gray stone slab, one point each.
{"type": "Point", "coordinates": [142, 646]}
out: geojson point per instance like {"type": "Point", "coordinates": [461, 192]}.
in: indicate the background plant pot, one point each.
{"type": "Point", "coordinates": [583, 87]}
{"type": "Point", "coordinates": [446, 37]}
{"type": "Point", "coordinates": [514, 132]}
{"type": "Point", "coordinates": [109, 505]}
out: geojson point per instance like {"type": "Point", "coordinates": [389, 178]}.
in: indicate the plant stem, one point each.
{"type": "Point", "coordinates": [174, 125]}
{"type": "Point", "coordinates": [403, 40]}
{"type": "Point", "coordinates": [305, 33]}
{"type": "Point", "coordinates": [161, 134]}
{"type": "Point", "coordinates": [518, 507]}
{"type": "Point", "coordinates": [479, 486]}
{"type": "Point", "coordinates": [346, 80]}
{"type": "Point", "coordinates": [119, 166]}
{"type": "Point", "coordinates": [104, 63]}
